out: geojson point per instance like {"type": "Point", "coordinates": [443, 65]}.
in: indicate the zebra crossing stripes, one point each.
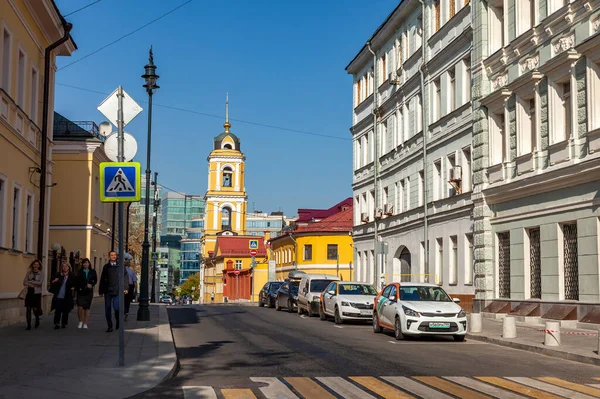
{"type": "Point", "coordinates": [389, 387]}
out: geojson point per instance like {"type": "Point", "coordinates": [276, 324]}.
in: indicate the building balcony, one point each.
{"type": "Point", "coordinates": [66, 130]}
{"type": "Point", "coordinates": [18, 121]}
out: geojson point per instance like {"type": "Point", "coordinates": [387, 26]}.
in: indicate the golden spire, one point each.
{"type": "Point", "coordinates": [227, 125]}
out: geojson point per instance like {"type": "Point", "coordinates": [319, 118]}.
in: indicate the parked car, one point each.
{"type": "Point", "coordinates": [287, 296]}
{"type": "Point", "coordinates": [166, 299]}
{"type": "Point", "coordinates": [347, 300]}
{"type": "Point", "coordinates": [309, 292]}
{"type": "Point", "coordinates": [419, 309]}
{"type": "Point", "coordinates": [268, 294]}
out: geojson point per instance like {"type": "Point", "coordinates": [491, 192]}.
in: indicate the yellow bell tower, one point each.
{"type": "Point", "coordinates": [226, 198]}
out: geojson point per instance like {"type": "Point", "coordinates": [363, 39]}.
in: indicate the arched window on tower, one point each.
{"type": "Point", "coordinates": [226, 219]}
{"type": "Point", "coordinates": [227, 176]}
{"type": "Point", "coordinates": [228, 146]}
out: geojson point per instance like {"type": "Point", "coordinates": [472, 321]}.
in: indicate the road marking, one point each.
{"type": "Point", "coordinates": [199, 393]}
{"type": "Point", "coordinates": [393, 342]}
{"type": "Point", "coordinates": [336, 326]}
{"type": "Point", "coordinates": [237, 394]}
{"type": "Point", "coordinates": [451, 388]}
{"type": "Point", "coordinates": [381, 388]}
{"type": "Point", "coordinates": [485, 388]}
{"type": "Point", "coordinates": [571, 385]}
{"type": "Point", "coordinates": [276, 388]}
{"type": "Point", "coordinates": [303, 316]}
{"type": "Point", "coordinates": [344, 388]}
{"type": "Point", "coordinates": [518, 388]}
{"type": "Point", "coordinates": [308, 388]}
{"type": "Point", "coordinates": [416, 388]}
{"type": "Point", "coordinates": [567, 393]}
{"type": "Point", "coordinates": [593, 385]}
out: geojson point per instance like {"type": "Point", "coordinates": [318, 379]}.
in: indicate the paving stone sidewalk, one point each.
{"type": "Point", "coordinates": [580, 345]}
{"type": "Point", "coordinates": [76, 363]}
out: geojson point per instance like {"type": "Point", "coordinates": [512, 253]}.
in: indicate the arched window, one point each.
{"type": "Point", "coordinates": [228, 146]}
{"type": "Point", "coordinates": [226, 219]}
{"type": "Point", "coordinates": [227, 176]}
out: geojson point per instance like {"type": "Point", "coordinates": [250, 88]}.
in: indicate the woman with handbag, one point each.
{"type": "Point", "coordinates": [32, 292]}
{"type": "Point", "coordinates": [86, 281]}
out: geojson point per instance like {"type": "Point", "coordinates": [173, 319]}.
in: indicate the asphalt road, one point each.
{"type": "Point", "coordinates": [224, 346]}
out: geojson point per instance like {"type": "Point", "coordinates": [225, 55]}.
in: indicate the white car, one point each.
{"type": "Point", "coordinates": [412, 309]}
{"type": "Point", "coordinates": [347, 300]}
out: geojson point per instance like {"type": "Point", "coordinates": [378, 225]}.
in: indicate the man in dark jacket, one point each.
{"type": "Point", "coordinates": [109, 287]}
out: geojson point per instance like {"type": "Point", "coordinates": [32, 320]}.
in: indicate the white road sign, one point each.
{"type": "Point", "coordinates": [111, 147]}
{"type": "Point", "coordinates": [110, 106]}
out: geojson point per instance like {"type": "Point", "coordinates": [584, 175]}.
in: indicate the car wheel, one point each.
{"type": "Point", "coordinates": [260, 304]}
{"type": "Point", "coordinates": [337, 318]}
{"type": "Point", "coordinates": [290, 306]}
{"type": "Point", "coordinates": [322, 314]}
{"type": "Point", "coordinates": [277, 307]}
{"type": "Point", "coordinates": [459, 338]}
{"type": "Point", "coordinates": [376, 326]}
{"type": "Point", "coordinates": [398, 329]}
{"type": "Point", "coordinates": [271, 303]}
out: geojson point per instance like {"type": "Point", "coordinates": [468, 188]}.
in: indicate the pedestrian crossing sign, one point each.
{"type": "Point", "coordinates": [120, 182]}
{"type": "Point", "coordinates": [253, 244]}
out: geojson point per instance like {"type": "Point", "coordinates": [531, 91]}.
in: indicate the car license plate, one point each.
{"type": "Point", "coordinates": [439, 325]}
{"type": "Point", "coordinates": [365, 312]}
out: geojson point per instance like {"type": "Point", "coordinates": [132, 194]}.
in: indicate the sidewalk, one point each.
{"type": "Point", "coordinates": [578, 345]}
{"type": "Point", "coordinates": [72, 363]}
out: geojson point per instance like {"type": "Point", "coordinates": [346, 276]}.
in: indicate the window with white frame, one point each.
{"type": "Point", "coordinates": [392, 127]}
{"type": "Point", "coordinates": [593, 93]}
{"type": "Point", "coordinates": [419, 114]}
{"type": "Point", "coordinates": [371, 204]}
{"type": "Point", "coordinates": [560, 109]}
{"type": "Point", "coordinates": [383, 63]}
{"type": "Point", "coordinates": [420, 186]}
{"type": "Point", "coordinates": [364, 149]}
{"type": "Point", "coordinates": [451, 164]}
{"type": "Point", "coordinates": [526, 122]}
{"type": "Point", "coordinates": [437, 15]}
{"type": "Point", "coordinates": [407, 133]}
{"type": "Point", "coordinates": [401, 192]}
{"type": "Point", "coordinates": [469, 267]}
{"type": "Point", "coordinates": [496, 25]}
{"type": "Point", "coordinates": [497, 136]}
{"type": "Point", "coordinates": [399, 127]}
{"type": "Point", "coordinates": [439, 260]}
{"type": "Point", "coordinates": [525, 15]}
{"type": "Point", "coordinates": [357, 153]}
{"type": "Point", "coordinates": [453, 267]}
{"type": "Point", "coordinates": [3, 191]}
{"type": "Point", "coordinates": [437, 99]}
{"type": "Point", "coordinates": [555, 5]}
{"type": "Point", "coordinates": [29, 224]}
{"type": "Point", "coordinates": [358, 89]}
{"type": "Point", "coordinates": [371, 145]}
{"type": "Point", "coordinates": [437, 180]}
{"type": "Point", "coordinates": [365, 204]}
{"type": "Point", "coordinates": [21, 63]}
{"type": "Point", "coordinates": [16, 219]}
{"type": "Point", "coordinates": [397, 197]}
{"type": "Point", "coordinates": [6, 59]}
{"type": "Point", "coordinates": [466, 85]}
{"type": "Point", "coordinates": [407, 193]}
{"type": "Point", "coordinates": [383, 137]}
{"type": "Point", "coordinates": [466, 170]}
{"type": "Point", "coordinates": [451, 90]}
{"type": "Point", "coordinates": [451, 8]}
{"type": "Point", "coordinates": [384, 199]}
{"type": "Point", "coordinates": [34, 98]}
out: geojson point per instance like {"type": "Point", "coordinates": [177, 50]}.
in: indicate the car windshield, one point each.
{"type": "Point", "coordinates": [275, 286]}
{"type": "Point", "coordinates": [319, 285]}
{"type": "Point", "coordinates": [429, 294]}
{"type": "Point", "coordinates": [356, 289]}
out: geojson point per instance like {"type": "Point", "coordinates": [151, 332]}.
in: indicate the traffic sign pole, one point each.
{"type": "Point", "coordinates": [121, 237]}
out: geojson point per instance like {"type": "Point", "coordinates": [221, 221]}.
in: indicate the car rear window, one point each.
{"type": "Point", "coordinates": [275, 286]}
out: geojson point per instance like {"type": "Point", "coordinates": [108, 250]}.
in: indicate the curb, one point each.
{"type": "Point", "coordinates": [168, 346]}
{"type": "Point", "coordinates": [536, 349]}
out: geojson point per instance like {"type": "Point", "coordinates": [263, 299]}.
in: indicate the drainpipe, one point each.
{"type": "Point", "coordinates": [425, 128]}
{"type": "Point", "coordinates": [376, 166]}
{"type": "Point", "coordinates": [44, 150]}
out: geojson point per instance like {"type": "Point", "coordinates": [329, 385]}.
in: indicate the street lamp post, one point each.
{"type": "Point", "coordinates": [154, 227]}
{"type": "Point", "coordinates": [151, 77]}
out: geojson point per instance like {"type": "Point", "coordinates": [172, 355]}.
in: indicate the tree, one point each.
{"type": "Point", "coordinates": [186, 288]}
{"type": "Point", "coordinates": [136, 237]}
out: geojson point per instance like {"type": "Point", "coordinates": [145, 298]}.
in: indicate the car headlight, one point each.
{"type": "Point", "coordinates": [462, 313]}
{"type": "Point", "coordinates": [344, 303]}
{"type": "Point", "coordinates": [410, 312]}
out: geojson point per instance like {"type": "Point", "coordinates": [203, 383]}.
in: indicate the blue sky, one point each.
{"type": "Point", "coordinates": [282, 63]}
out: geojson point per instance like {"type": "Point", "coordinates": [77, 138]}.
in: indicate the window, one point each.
{"type": "Point", "coordinates": [496, 25]}
{"type": "Point", "coordinates": [451, 90]}
{"type": "Point", "coordinates": [504, 265]}
{"type": "Point", "coordinates": [226, 219]}
{"type": "Point", "coordinates": [452, 8]}
{"type": "Point", "coordinates": [566, 103]}
{"type": "Point", "coordinates": [21, 79]}
{"type": "Point", "coordinates": [466, 86]}
{"type": "Point", "coordinates": [6, 59]}
{"type": "Point", "coordinates": [437, 99]}
{"type": "Point", "coordinates": [16, 219]}
{"type": "Point", "coordinates": [332, 251]}
{"type": "Point", "coordinates": [227, 176]}
{"type": "Point", "coordinates": [358, 91]}
{"type": "Point", "coordinates": [437, 180]}
{"type": "Point", "coordinates": [383, 68]}
{"type": "Point", "coordinates": [420, 188]}
{"type": "Point", "coordinates": [383, 137]}
{"type": "Point", "coordinates": [439, 260]}
{"type": "Point", "coordinates": [385, 196]}
{"type": "Point", "coordinates": [29, 224]}
{"type": "Point", "coordinates": [399, 127]}
{"type": "Point", "coordinates": [535, 264]}
{"type": "Point", "coordinates": [469, 266]}
{"type": "Point", "coordinates": [497, 138]}
{"type": "Point", "coordinates": [2, 209]}
{"type": "Point", "coordinates": [570, 262]}
{"type": "Point", "coordinates": [238, 264]}
{"type": "Point", "coordinates": [437, 15]}
{"type": "Point", "coordinates": [418, 114]}
{"type": "Point", "coordinates": [526, 119]}
{"type": "Point", "coordinates": [34, 95]}
{"type": "Point", "coordinates": [453, 269]}
{"type": "Point", "coordinates": [466, 170]}
{"type": "Point", "coordinates": [451, 165]}
{"type": "Point", "coordinates": [406, 188]}
{"type": "Point", "coordinates": [307, 252]}
{"type": "Point", "coordinates": [593, 92]}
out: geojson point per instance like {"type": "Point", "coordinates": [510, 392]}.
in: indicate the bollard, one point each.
{"type": "Point", "coordinates": [552, 333]}
{"type": "Point", "coordinates": [509, 327]}
{"type": "Point", "coordinates": [476, 323]}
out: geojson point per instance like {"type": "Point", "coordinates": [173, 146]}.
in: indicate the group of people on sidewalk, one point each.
{"type": "Point", "coordinates": [69, 289]}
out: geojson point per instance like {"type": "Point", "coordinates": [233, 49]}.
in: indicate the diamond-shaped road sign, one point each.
{"type": "Point", "coordinates": [110, 107]}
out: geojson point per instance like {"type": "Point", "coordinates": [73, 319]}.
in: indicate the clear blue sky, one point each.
{"type": "Point", "coordinates": [282, 63]}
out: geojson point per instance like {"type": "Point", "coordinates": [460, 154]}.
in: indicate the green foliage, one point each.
{"type": "Point", "coordinates": [186, 288]}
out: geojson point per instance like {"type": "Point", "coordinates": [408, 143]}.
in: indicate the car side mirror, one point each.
{"type": "Point", "coordinates": [456, 300]}
{"type": "Point", "coordinates": [392, 299]}
{"type": "Point", "coordinates": [331, 292]}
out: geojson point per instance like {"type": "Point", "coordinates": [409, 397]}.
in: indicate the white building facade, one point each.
{"type": "Point", "coordinates": [536, 91]}
{"type": "Point", "coordinates": [412, 167]}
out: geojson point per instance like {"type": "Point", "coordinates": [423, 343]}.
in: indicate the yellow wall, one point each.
{"type": "Point", "coordinates": [286, 252]}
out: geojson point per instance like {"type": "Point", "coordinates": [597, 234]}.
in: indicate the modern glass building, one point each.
{"type": "Point", "coordinates": [137, 212]}
{"type": "Point", "coordinates": [257, 223]}
{"type": "Point", "coordinates": [190, 249]}
{"type": "Point", "coordinates": [178, 211]}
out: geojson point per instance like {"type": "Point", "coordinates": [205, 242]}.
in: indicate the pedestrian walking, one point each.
{"type": "Point", "coordinates": [131, 290]}
{"type": "Point", "coordinates": [63, 288]}
{"type": "Point", "coordinates": [86, 281]}
{"type": "Point", "coordinates": [33, 296]}
{"type": "Point", "coordinates": [109, 287]}
{"type": "Point", "coordinates": [212, 297]}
